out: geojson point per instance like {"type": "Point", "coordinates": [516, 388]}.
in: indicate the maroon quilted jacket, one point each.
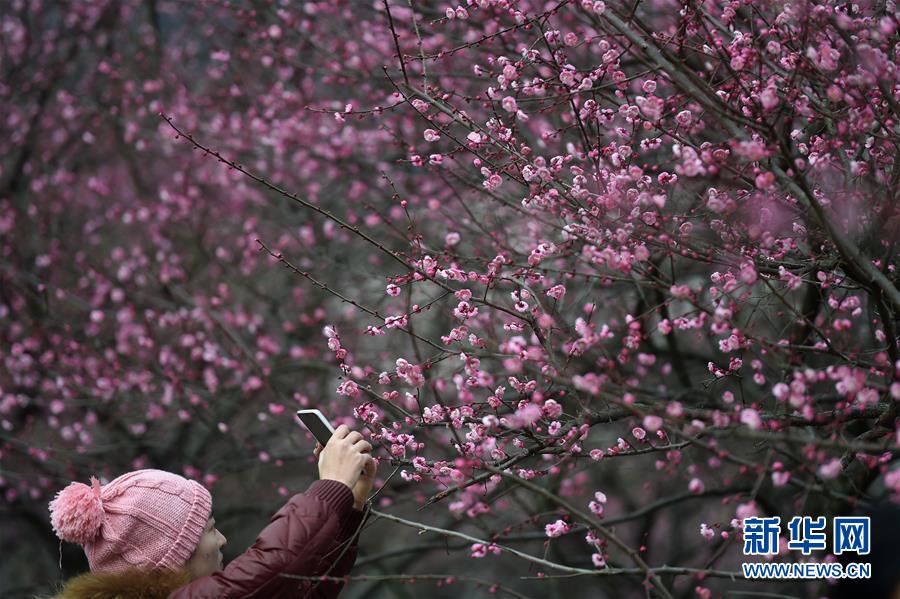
{"type": "Point", "coordinates": [314, 534]}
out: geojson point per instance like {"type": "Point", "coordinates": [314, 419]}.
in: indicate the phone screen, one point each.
{"type": "Point", "coordinates": [316, 425]}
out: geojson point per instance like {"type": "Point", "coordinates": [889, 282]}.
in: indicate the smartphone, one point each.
{"type": "Point", "coordinates": [317, 424]}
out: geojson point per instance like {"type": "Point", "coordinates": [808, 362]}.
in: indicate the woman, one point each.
{"type": "Point", "coordinates": [150, 534]}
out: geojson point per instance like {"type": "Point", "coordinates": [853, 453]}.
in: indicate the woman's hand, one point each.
{"type": "Point", "coordinates": [363, 487]}
{"type": "Point", "coordinates": [344, 457]}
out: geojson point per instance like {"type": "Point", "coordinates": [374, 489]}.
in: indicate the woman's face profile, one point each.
{"type": "Point", "coordinates": [207, 558]}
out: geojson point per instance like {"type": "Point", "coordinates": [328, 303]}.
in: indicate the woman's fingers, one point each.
{"type": "Point", "coordinates": [352, 438]}
{"type": "Point", "coordinates": [363, 446]}
{"type": "Point", "coordinates": [340, 432]}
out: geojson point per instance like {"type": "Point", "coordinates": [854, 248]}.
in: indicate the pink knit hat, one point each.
{"type": "Point", "coordinates": [146, 519]}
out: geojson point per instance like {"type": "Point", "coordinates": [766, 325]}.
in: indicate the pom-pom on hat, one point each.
{"type": "Point", "coordinates": [77, 512]}
{"type": "Point", "coordinates": [146, 519]}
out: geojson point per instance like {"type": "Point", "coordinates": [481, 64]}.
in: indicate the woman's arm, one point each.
{"type": "Point", "coordinates": [298, 540]}
{"type": "Point", "coordinates": [341, 558]}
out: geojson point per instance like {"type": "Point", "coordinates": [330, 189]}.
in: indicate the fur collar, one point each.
{"type": "Point", "coordinates": [133, 584]}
